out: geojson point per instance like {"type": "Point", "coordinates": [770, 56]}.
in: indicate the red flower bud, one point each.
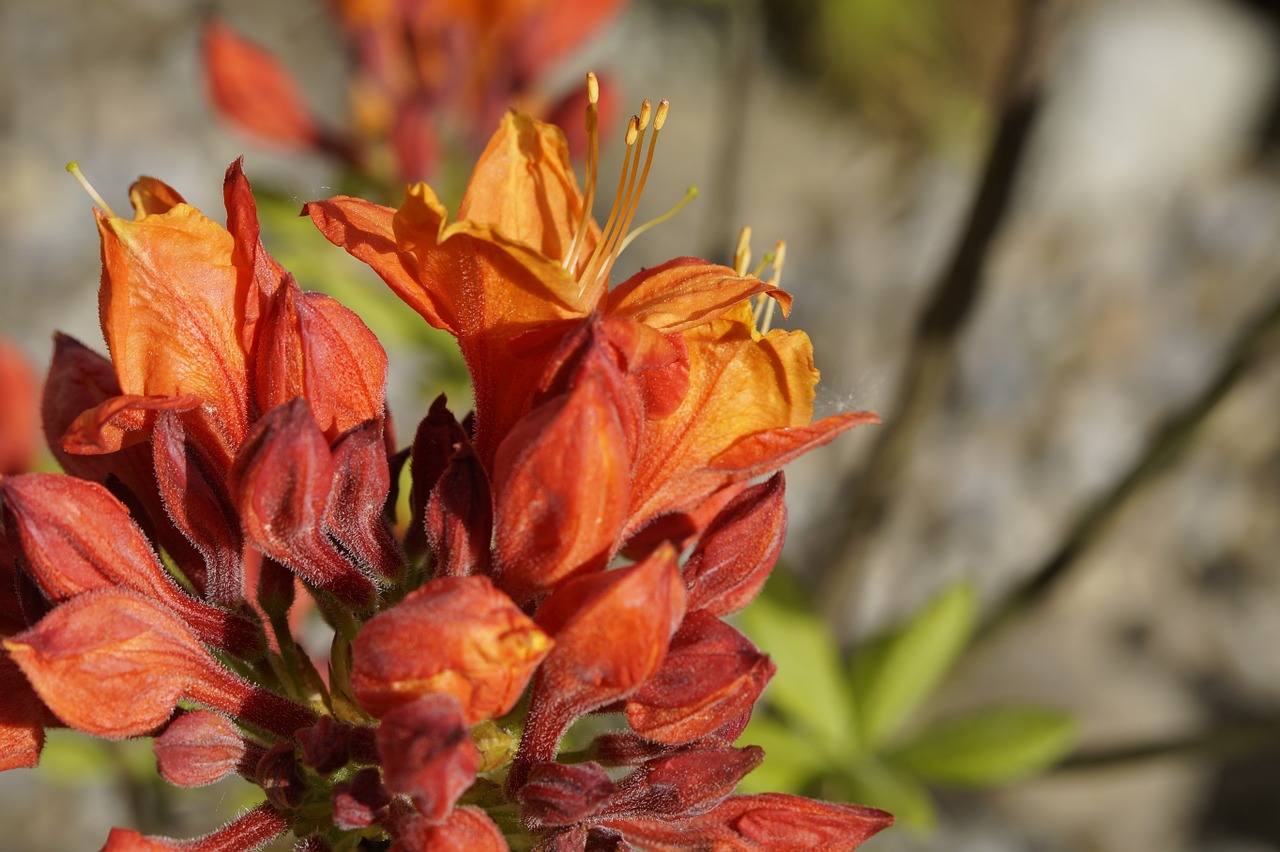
{"type": "Point", "coordinates": [732, 560]}
{"type": "Point", "coordinates": [427, 753]}
{"type": "Point", "coordinates": [361, 483]}
{"type": "Point", "coordinates": [712, 675]}
{"type": "Point", "coordinates": [358, 801]}
{"type": "Point", "coordinates": [326, 745]}
{"type": "Point", "coordinates": [558, 795]}
{"type": "Point", "coordinates": [74, 537]}
{"type": "Point", "coordinates": [687, 782]}
{"type": "Point", "coordinates": [23, 718]}
{"type": "Point", "coordinates": [561, 481]}
{"type": "Point", "coordinates": [611, 630]}
{"type": "Point", "coordinates": [278, 775]}
{"type": "Point", "coordinates": [765, 821]}
{"type": "Point", "coordinates": [454, 635]}
{"type": "Point", "coordinates": [19, 425]}
{"type": "Point", "coordinates": [281, 481]}
{"type": "Point", "coordinates": [200, 747]}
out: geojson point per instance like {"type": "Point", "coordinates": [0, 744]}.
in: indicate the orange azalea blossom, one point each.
{"type": "Point", "coordinates": [426, 75]}
{"type": "Point", "coordinates": [571, 549]}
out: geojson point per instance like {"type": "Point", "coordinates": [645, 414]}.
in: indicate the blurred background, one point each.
{"type": "Point", "coordinates": [1041, 239]}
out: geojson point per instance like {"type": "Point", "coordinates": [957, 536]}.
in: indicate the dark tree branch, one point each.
{"type": "Point", "coordinates": [865, 498]}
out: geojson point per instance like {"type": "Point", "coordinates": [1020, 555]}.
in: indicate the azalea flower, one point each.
{"type": "Point", "coordinates": [572, 547]}
{"type": "Point", "coordinates": [427, 76]}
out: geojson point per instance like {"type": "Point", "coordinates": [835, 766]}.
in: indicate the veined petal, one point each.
{"type": "Point", "coordinates": [170, 308]}
{"type": "Point", "coordinates": [524, 187]}
{"type": "Point", "coordinates": [740, 383]}
{"type": "Point", "coordinates": [685, 293]}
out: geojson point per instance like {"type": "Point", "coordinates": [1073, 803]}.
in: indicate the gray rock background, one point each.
{"type": "Point", "coordinates": [1146, 231]}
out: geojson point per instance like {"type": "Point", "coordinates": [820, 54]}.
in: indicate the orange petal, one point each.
{"type": "Point", "coordinates": [169, 306]}
{"type": "Point", "coordinates": [525, 188]}
{"type": "Point", "coordinates": [19, 410]}
{"type": "Point", "coordinates": [686, 292]}
{"type": "Point", "coordinates": [149, 195]}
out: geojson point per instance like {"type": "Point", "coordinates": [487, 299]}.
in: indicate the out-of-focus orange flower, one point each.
{"type": "Point", "coordinates": [426, 76]}
{"type": "Point", "coordinates": [19, 411]}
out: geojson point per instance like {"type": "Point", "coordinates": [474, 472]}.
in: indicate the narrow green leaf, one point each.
{"type": "Point", "coordinates": [989, 747]}
{"type": "Point", "coordinates": [809, 687]}
{"type": "Point", "coordinates": [893, 675]}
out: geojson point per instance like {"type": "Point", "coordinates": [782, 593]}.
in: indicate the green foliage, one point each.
{"type": "Point", "coordinates": [990, 747]}
{"type": "Point", "coordinates": [853, 732]}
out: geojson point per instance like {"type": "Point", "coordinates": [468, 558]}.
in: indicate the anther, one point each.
{"type": "Point", "coordinates": [593, 167]}
{"type": "Point", "coordinates": [74, 168]}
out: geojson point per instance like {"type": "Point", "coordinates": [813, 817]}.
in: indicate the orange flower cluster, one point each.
{"type": "Point", "coordinates": [426, 75]}
{"type": "Point", "coordinates": [572, 547]}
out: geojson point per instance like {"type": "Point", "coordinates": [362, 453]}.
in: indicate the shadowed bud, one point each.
{"type": "Point", "coordinates": [611, 630]}
{"type": "Point", "coordinates": [361, 482]}
{"type": "Point", "coordinates": [712, 675]}
{"type": "Point", "coordinates": [454, 635]}
{"type": "Point", "coordinates": [281, 482]}
{"type": "Point", "coordinates": [358, 800]}
{"type": "Point", "coordinates": [326, 745]}
{"type": "Point", "coordinates": [438, 435]}
{"type": "Point", "coordinates": [190, 475]}
{"type": "Point", "coordinates": [200, 747]}
{"type": "Point", "coordinates": [74, 537]}
{"type": "Point", "coordinates": [689, 782]}
{"type": "Point", "coordinates": [427, 753]}
{"type": "Point", "coordinates": [765, 821]}
{"type": "Point", "coordinates": [561, 483]}
{"type": "Point", "coordinates": [466, 829]}
{"type": "Point", "coordinates": [732, 560]}
{"type": "Point", "coordinates": [558, 795]}
{"type": "Point", "coordinates": [278, 775]}
{"type": "Point", "coordinates": [580, 838]}
{"type": "Point", "coordinates": [459, 517]}
{"type": "Point", "coordinates": [252, 831]}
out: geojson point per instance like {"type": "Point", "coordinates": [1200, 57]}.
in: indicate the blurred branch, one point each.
{"type": "Point", "coordinates": [1166, 445]}
{"type": "Point", "coordinates": [865, 498]}
{"type": "Point", "coordinates": [1230, 739]}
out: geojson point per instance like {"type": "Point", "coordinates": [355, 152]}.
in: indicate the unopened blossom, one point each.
{"type": "Point", "coordinates": [571, 545]}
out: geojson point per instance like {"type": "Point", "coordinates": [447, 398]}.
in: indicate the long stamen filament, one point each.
{"type": "Point", "coordinates": [593, 167]}
{"type": "Point", "coordinates": [690, 194]}
{"type": "Point", "coordinates": [626, 184]}
{"type": "Point", "coordinates": [633, 201]}
{"type": "Point", "coordinates": [742, 254]}
{"type": "Point", "coordinates": [779, 258]}
{"type": "Point", "coordinates": [74, 168]}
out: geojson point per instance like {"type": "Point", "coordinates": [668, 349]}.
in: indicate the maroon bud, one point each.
{"type": "Point", "coordinates": [433, 446]}
{"type": "Point", "coordinates": [684, 783]}
{"type": "Point", "coordinates": [326, 745]}
{"type": "Point", "coordinates": [711, 676]}
{"type": "Point", "coordinates": [558, 794]}
{"type": "Point", "coordinates": [278, 776]}
{"type": "Point", "coordinates": [358, 800]}
{"type": "Point", "coordinates": [459, 517]}
{"type": "Point", "coordinates": [733, 559]}
{"type": "Point", "coordinates": [281, 482]}
{"type": "Point", "coordinates": [427, 753]}
{"type": "Point", "coordinates": [361, 481]}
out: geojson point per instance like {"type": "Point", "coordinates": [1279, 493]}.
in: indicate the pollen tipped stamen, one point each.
{"type": "Point", "coordinates": [74, 168]}
{"type": "Point", "coordinates": [592, 171]}
{"type": "Point", "coordinates": [629, 164]}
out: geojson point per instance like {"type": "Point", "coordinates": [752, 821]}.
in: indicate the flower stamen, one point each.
{"type": "Point", "coordinates": [74, 168]}
{"type": "Point", "coordinates": [763, 313]}
{"type": "Point", "coordinates": [592, 170]}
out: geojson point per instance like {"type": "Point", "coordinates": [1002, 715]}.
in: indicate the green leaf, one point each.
{"type": "Point", "coordinates": [877, 785]}
{"type": "Point", "coordinates": [809, 687]}
{"type": "Point", "coordinates": [990, 747]}
{"type": "Point", "coordinates": [894, 674]}
{"type": "Point", "coordinates": [790, 760]}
